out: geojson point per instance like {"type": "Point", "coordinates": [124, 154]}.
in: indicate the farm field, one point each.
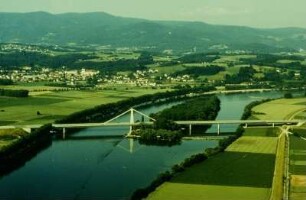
{"type": "Point", "coordinates": [261, 131]}
{"type": "Point", "coordinates": [271, 110]}
{"type": "Point", "coordinates": [291, 108]}
{"type": "Point", "coordinates": [243, 171]}
{"type": "Point", "coordinates": [53, 105]}
{"type": "Point", "coordinates": [297, 165]}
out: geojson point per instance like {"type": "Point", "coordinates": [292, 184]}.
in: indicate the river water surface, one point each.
{"type": "Point", "coordinates": [88, 165]}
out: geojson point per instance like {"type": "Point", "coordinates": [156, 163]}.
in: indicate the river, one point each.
{"type": "Point", "coordinates": [88, 165]}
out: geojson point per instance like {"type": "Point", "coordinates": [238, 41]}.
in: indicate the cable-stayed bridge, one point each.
{"type": "Point", "coordinates": [131, 122]}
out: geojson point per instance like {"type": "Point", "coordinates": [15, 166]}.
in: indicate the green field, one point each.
{"type": "Point", "coordinates": [54, 105]}
{"type": "Point", "coordinates": [279, 109]}
{"type": "Point", "coordinates": [261, 131]}
{"type": "Point", "coordinates": [290, 108]}
{"type": "Point", "coordinates": [243, 171]}
{"type": "Point", "coordinates": [297, 167]}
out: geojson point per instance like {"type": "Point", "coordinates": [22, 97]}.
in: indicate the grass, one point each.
{"type": "Point", "coordinates": [251, 144]}
{"type": "Point", "coordinates": [261, 131]}
{"type": "Point", "coordinates": [10, 135]}
{"type": "Point", "coordinates": [277, 186]}
{"type": "Point", "coordinates": [297, 156]}
{"type": "Point", "coordinates": [271, 110]}
{"type": "Point", "coordinates": [297, 167]}
{"type": "Point", "coordinates": [174, 191]}
{"type": "Point", "coordinates": [55, 105]}
{"type": "Point", "coordinates": [243, 171]}
{"type": "Point", "coordinates": [169, 69]}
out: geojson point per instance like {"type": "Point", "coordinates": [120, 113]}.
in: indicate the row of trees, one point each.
{"type": "Point", "coordinates": [166, 132]}
{"type": "Point", "coordinates": [199, 57]}
{"type": "Point", "coordinates": [6, 82]}
{"type": "Point", "coordinates": [20, 59]}
{"type": "Point", "coordinates": [73, 60]}
{"type": "Point", "coordinates": [272, 60]}
{"type": "Point", "coordinates": [245, 74]}
{"type": "Point", "coordinates": [14, 93]}
{"type": "Point", "coordinates": [200, 71]}
{"type": "Point", "coordinates": [106, 111]}
{"type": "Point", "coordinates": [202, 108]}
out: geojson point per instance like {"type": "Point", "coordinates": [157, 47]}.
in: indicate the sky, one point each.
{"type": "Point", "coordinates": [254, 13]}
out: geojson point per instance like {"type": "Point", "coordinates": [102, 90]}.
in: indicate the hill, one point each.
{"type": "Point", "coordinates": [103, 29]}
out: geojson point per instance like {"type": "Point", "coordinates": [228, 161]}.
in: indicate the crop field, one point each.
{"type": "Point", "coordinates": [301, 115]}
{"type": "Point", "coordinates": [297, 166]}
{"type": "Point", "coordinates": [261, 131]}
{"type": "Point", "coordinates": [243, 171]}
{"type": "Point", "coordinates": [253, 144]}
{"type": "Point", "coordinates": [232, 58]}
{"type": "Point", "coordinates": [271, 110]}
{"type": "Point", "coordinates": [169, 69]}
{"type": "Point", "coordinates": [54, 105]}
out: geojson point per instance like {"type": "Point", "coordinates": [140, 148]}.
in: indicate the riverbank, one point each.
{"type": "Point", "coordinates": [126, 164]}
{"type": "Point", "coordinates": [188, 189]}
{"type": "Point", "coordinates": [32, 142]}
{"type": "Point", "coordinates": [54, 104]}
{"type": "Point", "coordinates": [23, 147]}
{"type": "Point", "coordinates": [243, 171]}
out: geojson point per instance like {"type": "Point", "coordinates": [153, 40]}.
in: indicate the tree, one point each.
{"type": "Point", "coordinates": [145, 58]}
{"type": "Point", "coordinates": [288, 95]}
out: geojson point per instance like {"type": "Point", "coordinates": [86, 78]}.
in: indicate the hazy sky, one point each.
{"type": "Point", "coordinates": [256, 13]}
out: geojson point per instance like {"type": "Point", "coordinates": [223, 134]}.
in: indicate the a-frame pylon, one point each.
{"type": "Point", "coordinates": [132, 118]}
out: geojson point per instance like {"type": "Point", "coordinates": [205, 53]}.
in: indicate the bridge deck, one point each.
{"type": "Point", "coordinates": [87, 125]}
{"type": "Point", "coordinates": [239, 122]}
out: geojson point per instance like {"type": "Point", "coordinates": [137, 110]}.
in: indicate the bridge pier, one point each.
{"type": "Point", "coordinates": [64, 133]}
{"type": "Point", "coordinates": [190, 129]}
{"type": "Point", "coordinates": [218, 129]}
{"type": "Point", "coordinates": [273, 125]}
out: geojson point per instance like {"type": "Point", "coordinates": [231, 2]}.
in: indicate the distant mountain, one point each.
{"type": "Point", "coordinates": [104, 29]}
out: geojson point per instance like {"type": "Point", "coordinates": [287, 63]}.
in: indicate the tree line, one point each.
{"type": "Point", "coordinates": [73, 60]}
{"type": "Point", "coordinates": [106, 111]}
{"type": "Point", "coordinates": [14, 93]}
{"type": "Point", "coordinates": [166, 132]}
{"type": "Point", "coordinates": [201, 71]}
{"type": "Point", "coordinates": [199, 57]}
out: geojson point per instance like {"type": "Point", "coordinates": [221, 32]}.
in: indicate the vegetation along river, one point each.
{"type": "Point", "coordinates": [88, 165]}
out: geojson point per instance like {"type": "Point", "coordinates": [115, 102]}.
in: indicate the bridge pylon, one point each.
{"type": "Point", "coordinates": [132, 112]}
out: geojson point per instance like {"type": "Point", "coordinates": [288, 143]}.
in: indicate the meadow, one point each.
{"type": "Point", "coordinates": [297, 167]}
{"type": "Point", "coordinates": [243, 171]}
{"type": "Point", "coordinates": [261, 131]}
{"type": "Point", "coordinates": [53, 105]}
{"type": "Point", "coordinates": [271, 110]}
{"type": "Point", "coordinates": [291, 108]}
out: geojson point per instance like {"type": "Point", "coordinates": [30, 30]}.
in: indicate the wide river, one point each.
{"type": "Point", "coordinates": [87, 165]}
